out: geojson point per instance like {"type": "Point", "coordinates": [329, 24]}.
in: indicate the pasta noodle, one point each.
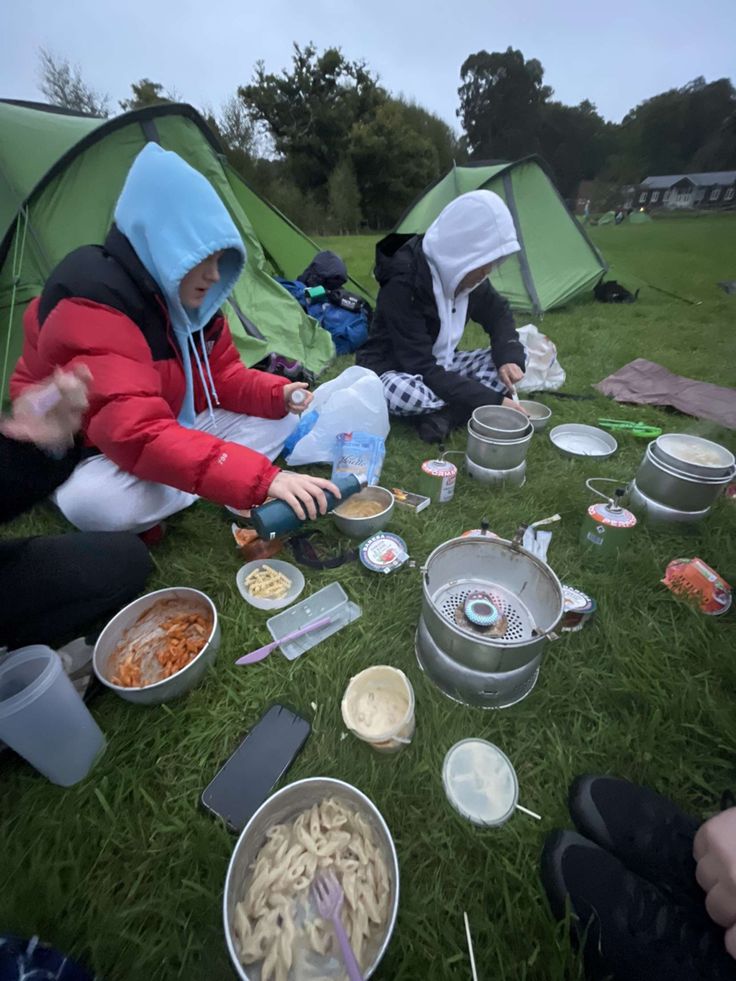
{"type": "Point", "coordinates": [265, 582]}
{"type": "Point", "coordinates": [272, 922]}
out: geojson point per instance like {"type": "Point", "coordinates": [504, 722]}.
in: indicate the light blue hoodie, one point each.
{"type": "Point", "coordinates": [173, 218]}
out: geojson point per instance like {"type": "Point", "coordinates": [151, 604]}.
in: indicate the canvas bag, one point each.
{"type": "Point", "coordinates": [351, 402]}
{"type": "Point", "coordinates": [543, 371]}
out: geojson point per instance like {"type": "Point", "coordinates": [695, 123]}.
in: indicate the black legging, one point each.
{"type": "Point", "coordinates": [58, 588]}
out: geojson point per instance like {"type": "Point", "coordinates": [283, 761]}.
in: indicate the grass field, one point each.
{"type": "Point", "coordinates": [126, 872]}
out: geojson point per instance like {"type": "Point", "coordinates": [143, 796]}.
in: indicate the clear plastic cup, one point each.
{"type": "Point", "coordinates": [43, 717]}
{"type": "Point", "coordinates": [378, 707]}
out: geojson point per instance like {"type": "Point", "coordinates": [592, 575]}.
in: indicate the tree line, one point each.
{"type": "Point", "coordinates": [331, 147]}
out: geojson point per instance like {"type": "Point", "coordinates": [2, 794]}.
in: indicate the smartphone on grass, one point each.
{"type": "Point", "coordinates": [247, 778]}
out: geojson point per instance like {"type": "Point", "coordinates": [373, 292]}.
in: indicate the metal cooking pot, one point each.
{"type": "Point", "coordinates": [362, 528]}
{"type": "Point", "coordinates": [522, 587]}
{"type": "Point", "coordinates": [497, 454]}
{"type": "Point", "coordinates": [657, 514]}
{"type": "Point", "coordinates": [162, 691]}
{"type": "Point", "coordinates": [285, 805]}
{"type": "Point", "coordinates": [675, 489]}
{"type": "Point", "coordinates": [499, 422]}
{"type": "Point", "coordinates": [678, 450]}
{"type": "Point", "coordinates": [515, 477]}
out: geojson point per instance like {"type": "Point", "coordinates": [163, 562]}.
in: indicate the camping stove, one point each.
{"type": "Point", "coordinates": [489, 608]}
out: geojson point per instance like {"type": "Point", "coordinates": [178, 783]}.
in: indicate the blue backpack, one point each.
{"type": "Point", "coordinates": [349, 328]}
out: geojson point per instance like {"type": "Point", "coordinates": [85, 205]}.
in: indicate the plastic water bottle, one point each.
{"type": "Point", "coordinates": [276, 518]}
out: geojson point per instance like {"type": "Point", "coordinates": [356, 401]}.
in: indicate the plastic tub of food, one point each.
{"type": "Point", "coordinates": [378, 707]}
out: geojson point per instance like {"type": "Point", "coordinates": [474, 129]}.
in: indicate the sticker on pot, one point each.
{"type": "Point", "coordinates": [383, 552]}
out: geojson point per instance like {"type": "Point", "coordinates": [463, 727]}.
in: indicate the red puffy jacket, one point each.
{"type": "Point", "coordinates": [101, 308]}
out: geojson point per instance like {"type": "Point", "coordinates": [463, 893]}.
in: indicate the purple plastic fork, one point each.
{"type": "Point", "coordinates": [328, 896]}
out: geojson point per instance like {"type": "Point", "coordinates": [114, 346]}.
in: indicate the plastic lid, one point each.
{"type": "Point", "coordinates": [480, 782]}
{"type": "Point", "coordinates": [383, 552]}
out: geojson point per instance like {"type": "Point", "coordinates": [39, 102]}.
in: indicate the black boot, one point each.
{"type": "Point", "coordinates": [627, 928]}
{"type": "Point", "coordinates": [647, 832]}
{"type": "Point", "coordinates": [435, 427]}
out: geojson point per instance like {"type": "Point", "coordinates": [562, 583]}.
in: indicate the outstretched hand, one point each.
{"type": "Point", "coordinates": [714, 849]}
{"type": "Point", "coordinates": [49, 414]}
{"type": "Point", "coordinates": [305, 495]}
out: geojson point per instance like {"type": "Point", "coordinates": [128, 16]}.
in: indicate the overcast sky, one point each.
{"type": "Point", "coordinates": [615, 54]}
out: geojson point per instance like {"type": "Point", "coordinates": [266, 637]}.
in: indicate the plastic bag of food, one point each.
{"type": "Point", "coordinates": [359, 453]}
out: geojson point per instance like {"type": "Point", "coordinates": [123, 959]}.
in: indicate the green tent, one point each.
{"type": "Point", "coordinates": [639, 217]}
{"type": "Point", "coordinates": [557, 259]}
{"type": "Point", "coordinates": [607, 218]}
{"type": "Point", "coordinates": [60, 175]}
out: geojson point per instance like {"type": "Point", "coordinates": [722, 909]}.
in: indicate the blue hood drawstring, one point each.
{"type": "Point", "coordinates": [174, 219]}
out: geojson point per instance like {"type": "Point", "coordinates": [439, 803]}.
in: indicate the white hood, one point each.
{"type": "Point", "coordinates": [473, 230]}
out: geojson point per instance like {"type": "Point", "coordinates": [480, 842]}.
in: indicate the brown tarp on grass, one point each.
{"type": "Point", "coordinates": [648, 383]}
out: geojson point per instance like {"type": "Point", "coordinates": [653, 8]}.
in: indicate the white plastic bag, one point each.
{"type": "Point", "coordinates": [543, 370]}
{"type": "Point", "coordinates": [351, 402]}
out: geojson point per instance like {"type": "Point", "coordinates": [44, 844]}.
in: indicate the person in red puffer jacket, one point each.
{"type": "Point", "coordinates": [174, 414]}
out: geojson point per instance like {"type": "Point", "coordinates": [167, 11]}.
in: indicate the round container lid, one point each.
{"type": "Point", "coordinates": [383, 552]}
{"type": "Point", "coordinates": [480, 782]}
{"type": "Point", "coordinates": [576, 601]}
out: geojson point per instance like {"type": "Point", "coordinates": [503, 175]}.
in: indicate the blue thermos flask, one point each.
{"type": "Point", "coordinates": [275, 518]}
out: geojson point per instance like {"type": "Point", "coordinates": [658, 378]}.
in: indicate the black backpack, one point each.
{"type": "Point", "coordinates": [613, 292]}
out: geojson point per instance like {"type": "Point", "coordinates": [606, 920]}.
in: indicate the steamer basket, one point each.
{"type": "Point", "coordinates": [523, 588]}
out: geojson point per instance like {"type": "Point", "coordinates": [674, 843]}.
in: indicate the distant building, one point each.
{"type": "Point", "coordinates": [713, 190]}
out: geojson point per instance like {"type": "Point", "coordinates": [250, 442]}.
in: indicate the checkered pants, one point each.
{"type": "Point", "coordinates": [407, 395]}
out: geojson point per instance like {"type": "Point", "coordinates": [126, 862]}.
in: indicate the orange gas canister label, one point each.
{"type": "Point", "coordinates": [695, 579]}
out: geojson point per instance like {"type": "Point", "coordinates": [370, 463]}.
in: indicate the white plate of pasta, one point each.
{"type": "Point", "coordinates": [272, 928]}
{"type": "Point", "coordinates": [269, 584]}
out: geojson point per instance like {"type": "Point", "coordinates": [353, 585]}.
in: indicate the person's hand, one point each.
{"type": "Point", "coordinates": [289, 393]}
{"type": "Point", "coordinates": [510, 374]}
{"type": "Point", "coordinates": [51, 413]}
{"type": "Point", "coordinates": [714, 849]}
{"type": "Point", "coordinates": [510, 404]}
{"type": "Point", "coordinates": [305, 495]}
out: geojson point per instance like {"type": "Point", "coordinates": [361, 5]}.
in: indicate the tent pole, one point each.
{"type": "Point", "coordinates": [18, 254]}
{"type": "Point", "coordinates": [526, 273]}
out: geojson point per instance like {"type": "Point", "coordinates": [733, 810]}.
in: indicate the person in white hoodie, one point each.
{"type": "Point", "coordinates": [431, 286]}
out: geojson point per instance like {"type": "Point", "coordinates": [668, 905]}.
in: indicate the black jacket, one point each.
{"type": "Point", "coordinates": [28, 475]}
{"type": "Point", "coordinates": [406, 324]}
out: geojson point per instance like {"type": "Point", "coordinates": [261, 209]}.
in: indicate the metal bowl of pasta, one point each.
{"type": "Point", "coordinates": [159, 646]}
{"type": "Point", "coordinates": [272, 929]}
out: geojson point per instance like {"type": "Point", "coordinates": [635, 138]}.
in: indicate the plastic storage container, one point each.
{"type": "Point", "coordinates": [43, 718]}
{"type": "Point", "coordinates": [378, 707]}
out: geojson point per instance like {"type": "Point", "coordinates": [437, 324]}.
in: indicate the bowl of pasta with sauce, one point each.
{"type": "Point", "coordinates": [272, 929]}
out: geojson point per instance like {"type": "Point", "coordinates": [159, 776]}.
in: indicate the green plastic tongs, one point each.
{"type": "Point", "coordinates": [641, 429]}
